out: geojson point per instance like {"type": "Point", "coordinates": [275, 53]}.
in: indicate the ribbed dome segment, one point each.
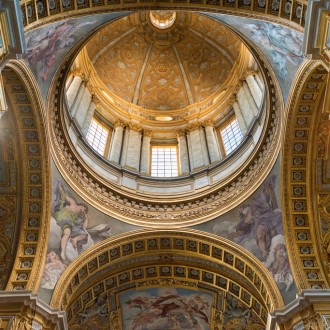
{"type": "Point", "coordinates": [164, 69]}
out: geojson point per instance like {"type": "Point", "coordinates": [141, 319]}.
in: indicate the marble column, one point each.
{"type": "Point", "coordinates": [183, 152]}
{"type": "Point", "coordinates": [239, 116]}
{"type": "Point", "coordinates": [244, 105]}
{"type": "Point", "coordinates": [83, 107]}
{"type": "Point", "coordinates": [254, 89]}
{"type": "Point", "coordinates": [212, 143]}
{"type": "Point", "coordinates": [73, 90]}
{"type": "Point", "coordinates": [132, 147]}
{"type": "Point", "coordinates": [197, 147]}
{"type": "Point", "coordinates": [89, 116]}
{"type": "Point", "coordinates": [117, 140]}
{"type": "Point", "coordinates": [68, 82]}
{"type": "Point", "coordinates": [79, 98]}
{"type": "Point", "coordinates": [145, 152]}
{"type": "Point", "coordinates": [250, 100]}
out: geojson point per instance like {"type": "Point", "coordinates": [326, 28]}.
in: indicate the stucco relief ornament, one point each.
{"type": "Point", "coordinates": [326, 243]}
{"type": "Point", "coordinates": [52, 4]}
{"type": "Point", "coordinates": [323, 130]}
{"type": "Point", "coordinates": [164, 216]}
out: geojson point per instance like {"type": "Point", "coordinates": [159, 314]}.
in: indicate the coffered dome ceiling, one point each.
{"type": "Point", "coordinates": [164, 60]}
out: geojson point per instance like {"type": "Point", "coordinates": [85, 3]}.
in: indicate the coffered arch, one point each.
{"type": "Point", "coordinates": [305, 105]}
{"type": "Point", "coordinates": [34, 170]}
{"type": "Point", "coordinates": [150, 258]}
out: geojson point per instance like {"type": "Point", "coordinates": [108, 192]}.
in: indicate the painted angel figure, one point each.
{"type": "Point", "coordinates": [70, 225]}
{"type": "Point", "coordinates": [72, 218]}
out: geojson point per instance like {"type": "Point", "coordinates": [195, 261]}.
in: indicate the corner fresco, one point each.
{"type": "Point", "coordinates": [75, 227]}
{"type": "Point", "coordinates": [47, 46]}
{"type": "Point", "coordinates": [256, 225]}
{"type": "Point", "coordinates": [166, 308]}
{"type": "Point", "coordinates": [281, 46]}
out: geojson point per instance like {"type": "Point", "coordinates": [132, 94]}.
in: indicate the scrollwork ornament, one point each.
{"type": "Point", "coordinates": [313, 322]}
{"type": "Point", "coordinates": [114, 320]}
{"type": "Point", "coordinates": [166, 282]}
{"type": "Point", "coordinates": [218, 320]}
{"type": "Point", "coordinates": [323, 140]}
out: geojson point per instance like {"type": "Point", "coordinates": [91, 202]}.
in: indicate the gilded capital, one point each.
{"type": "Point", "coordinates": [78, 73]}
{"type": "Point", "coordinates": [232, 100]}
{"type": "Point", "coordinates": [95, 99]}
{"type": "Point", "coordinates": [147, 133]}
{"type": "Point", "coordinates": [181, 132]}
{"type": "Point", "coordinates": [238, 87]}
{"type": "Point", "coordinates": [135, 127]}
{"type": "Point", "coordinates": [208, 122]}
{"type": "Point", "coordinates": [119, 123]}
{"type": "Point", "coordinates": [194, 127]}
{"type": "Point", "coordinates": [248, 73]}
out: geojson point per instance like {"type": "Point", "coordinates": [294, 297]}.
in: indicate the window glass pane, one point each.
{"type": "Point", "coordinates": [164, 162]}
{"type": "Point", "coordinates": [97, 136]}
{"type": "Point", "coordinates": [231, 136]}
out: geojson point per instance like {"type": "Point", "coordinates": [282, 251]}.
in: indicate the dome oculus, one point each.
{"type": "Point", "coordinates": [162, 19]}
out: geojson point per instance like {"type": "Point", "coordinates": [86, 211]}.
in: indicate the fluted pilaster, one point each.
{"type": "Point", "coordinates": [239, 116]}
{"type": "Point", "coordinates": [89, 116]}
{"type": "Point", "coordinates": [212, 143]}
{"type": "Point", "coordinates": [254, 89]}
{"type": "Point", "coordinates": [145, 152]}
{"type": "Point", "coordinates": [183, 152]}
{"type": "Point", "coordinates": [73, 90]}
{"type": "Point", "coordinates": [117, 140]}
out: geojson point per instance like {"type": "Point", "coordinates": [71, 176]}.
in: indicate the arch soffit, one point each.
{"type": "Point", "coordinates": [23, 95]}
{"type": "Point", "coordinates": [298, 161]}
{"type": "Point", "coordinates": [217, 262]}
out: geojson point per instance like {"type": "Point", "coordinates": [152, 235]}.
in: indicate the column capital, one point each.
{"type": "Point", "coordinates": [208, 123]}
{"type": "Point", "coordinates": [78, 73]}
{"type": "Point", "coordinates": [147, 133]}
{"type": "Point", "coordinates": [232, 100]}
{"type": "Point", "coordinates": [119, 123]}
{"type": "Point", "coordinates": [248, 73]}
{"type": "Point", "coordinates": [181, 132]}
{"type": "Point", "coordinates": [193, 127]}
{"type": "Point", "coordinates": [91, 87]}
{"type": "Point", "coordinates": [95, 98]}
{"type": "Point", "coordinates": [135, 127]}
{"type": "Point", "coordinates": [238, 87]}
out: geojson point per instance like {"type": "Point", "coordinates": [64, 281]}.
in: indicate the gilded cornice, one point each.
{"type": "Point", "coordinates": [186, 209]}
{"type": "Point", "coordinates": [298, 158]}
{"type": "Point", "coordinates": [29, 113]}
{"type": "Point", "coordinates": [126, 258]}
{"type": "Point", "coordinates": [44, 15]}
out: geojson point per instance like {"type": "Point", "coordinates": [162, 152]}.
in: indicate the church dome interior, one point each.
{"type": "Point", "coordinates": [187, 104]}
{"type": "Point", "coordinates": [164, 165]}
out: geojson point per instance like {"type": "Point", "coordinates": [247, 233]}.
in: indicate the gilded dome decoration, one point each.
{"type": "Point", "coordinates": [183, 61]}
